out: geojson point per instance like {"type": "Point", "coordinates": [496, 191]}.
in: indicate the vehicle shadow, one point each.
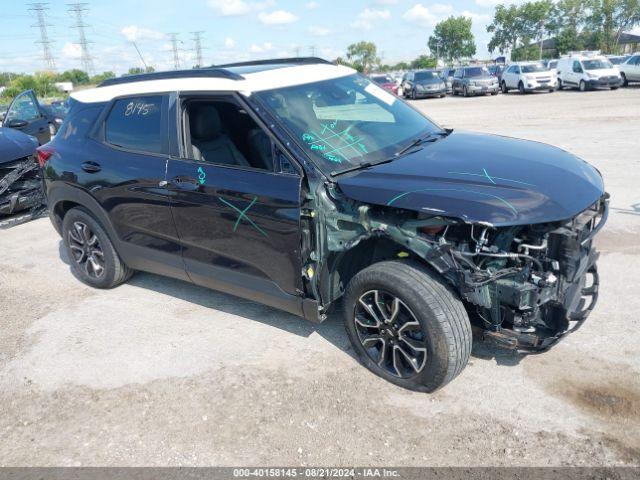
{"type": "Point", "coordinates": [331, 329]}
{"type": "Point", "coordinates": [633, 210]}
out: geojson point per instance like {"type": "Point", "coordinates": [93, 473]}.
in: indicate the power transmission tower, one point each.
{"type": "Point", "coordinates": [197, 40]}
{"type": "Point", "coordinates": [312, 50]}
{"type": "Point", "coordinates": [39, 9]}
{"type": "Point", "coordinates": [174, 46]}
{"type": "Point", "coordinates": [79, 9]}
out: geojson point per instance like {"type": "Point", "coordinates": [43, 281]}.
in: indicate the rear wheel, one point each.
{"type": "Point", "coordinates": [407, 326]}
{"type": "Point", "coordinates": [93, 258]}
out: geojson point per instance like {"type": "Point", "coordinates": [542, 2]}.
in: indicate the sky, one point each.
{"type": "Point", "coordinates": [232, 30]}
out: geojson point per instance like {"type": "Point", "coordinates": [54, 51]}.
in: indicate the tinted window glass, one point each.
{"type": "Point", "coordinates": [23, 108]}
{"type": "Point", "coordinates": [136, 124]}
{"type": "Point", "coordinates": [476, 72]}
{"type": "Point", "coordinates": [426, 76]}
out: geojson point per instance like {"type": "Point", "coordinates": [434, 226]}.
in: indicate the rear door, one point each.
{"type": "Point", "coordinates": [26, 115]}
{"type": "Point", "coordinates": [634, 69]}
{"type": "Point", "coordinates": [238, 223]}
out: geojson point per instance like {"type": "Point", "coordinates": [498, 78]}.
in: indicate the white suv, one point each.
{"type": "Point", "coordinates": [527, 77]}
{"type": "Point", "coordinates": [587, 71]}
{"type": "Point", "coordinates": [630, 69]}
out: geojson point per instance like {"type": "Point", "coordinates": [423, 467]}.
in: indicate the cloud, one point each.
{"type": "Point", "coordinates": [71, 50]}
{"type": "Point", "coordinates": [312, 5]}
{"type": "Point", "coordinates": [265, 47]}
{"type": "Point", "coordinates": [477, 17]}
{"type": "Point", "coordinates": [229, 42]}
{"type": "Point", "coordinates": [368, 17]}
{"type": "Point", "coordinates": [228, 8]}
{"type": "Point", "coordinates": [133, 33]}
{"type": "Point", "coordinates": [442, 9]}
{"type": "Point", "coordinates": [319, 31]}
{"type": "Point", "coordinates": [277, 17]}
{"type": "Point", "coordinates": [386, 2]}
{"type": "Point", "coordinates": [421, 16]}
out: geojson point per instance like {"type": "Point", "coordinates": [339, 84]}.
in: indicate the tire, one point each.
{"type": "Point", "coordinates": [521, 88]}
{"type": "Point", "coordinates": [560, 87]}
{"type": "Point", "coordinates": [625, 82]}
{"type": "Point", "coordinates": [413, 95]}
{"type": "Point", "coordinates": [583, 86]}
{"type": "Point", "coordinates": [428, 305]}
{"type": "Point", "coordinates": [83, 236]}
{"type": "Point", "coordinates": [551, 90]}
{"type": "Point", "coordinates": [465, 92]}
{"type": "Point", "coordinates": [504, 87]}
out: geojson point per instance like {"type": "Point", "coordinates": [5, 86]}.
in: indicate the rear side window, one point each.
{"type": "Point", "coordinates": [136, 124]}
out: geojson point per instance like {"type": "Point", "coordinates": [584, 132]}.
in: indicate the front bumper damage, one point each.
{"type": "Point", "coordinates": [525, 287]}
{"type": "Point", "coordinates": [20, 186]}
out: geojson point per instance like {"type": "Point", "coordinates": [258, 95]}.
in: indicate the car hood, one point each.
{"type": "Point", "coordinates": [605, 72]}
{"type": "Point", "coordinates": [15, 145]}
{"type": "Point", "coordinates": [482, 178]}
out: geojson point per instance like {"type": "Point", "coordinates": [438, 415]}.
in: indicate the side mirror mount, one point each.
{"type": "Point", "coordinates": [17, 123]}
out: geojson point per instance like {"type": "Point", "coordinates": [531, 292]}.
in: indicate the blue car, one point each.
{"type": "Point", "coordinates": [303, 185]}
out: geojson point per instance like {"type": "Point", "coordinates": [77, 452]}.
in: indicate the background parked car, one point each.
{"type": "Point", "coordinates": [20, 185]}
{"type": "Point", "coordinates": [630, 69]}
{"type": "Point", "coordinates": [527, 77]}
{"type": "Point", "coordinates": [496, 71]}
{"type": "Point", "coordinates": [587, 71]}
{"type": "Point", "coordinates": [447, 77]}
{"type": "Point", "coordinates": [618, 59]}
{"type": "Point", "coordinates": [422, 84]}
{"type": "Point", "coordinates": [386, 82]}
{"type": "Point", "coordinates": [474, 81]}
{"type": "Point", "coordinates": [27, 115]}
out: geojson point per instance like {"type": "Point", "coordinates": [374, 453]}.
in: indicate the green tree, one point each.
{"type": "Point", "coordinates": [101, 77]}
{"type": "Point", "coordinates": [424, 61]}
{"type": "Point", "coordinates": [452, 39]}
{"type": "Point", "coordinates": [567, 23]}
{"type": "Point", "coordinates": [363, 56]}
{"type": "Point", "coordinates": [140, 70]}
{"type": "Point", "coordinates": [75, 76]}
{"type": "Point", "coordinates": [505, 28]}
{"type": "Point", "coordinates": [608, 19]}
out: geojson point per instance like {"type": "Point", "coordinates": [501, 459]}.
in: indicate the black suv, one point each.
{"type": "Point", "coordinates": [298, 183]}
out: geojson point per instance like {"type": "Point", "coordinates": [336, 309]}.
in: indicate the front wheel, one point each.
{"type": "Point", "coordinates": [504, 87]}
{"type": "Point", "coordinates": [413, 95]}
{"type": "Point", "coordinates": [407, 326]}
{"type": "Point", "coordinates": [465, 91]}
{"type": "Point", "coordinates": [625, 82]}
{"type": "Point", "coordinates": [521, 88]}
{"type": "Point", "coordinates": [583, 86]}
{"type": "Point", "coordinates": [560, 87]}
{"type": "Point", "coordinates": [93, 257]}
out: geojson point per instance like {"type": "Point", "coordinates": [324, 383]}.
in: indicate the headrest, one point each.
{"type": "Point", "coordinates": [205, 123]}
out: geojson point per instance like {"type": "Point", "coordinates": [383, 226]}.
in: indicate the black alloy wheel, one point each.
{"type": "Point", "coordinates": [86, 250]}
{"type": "Point", "coordinates": [390, 334]}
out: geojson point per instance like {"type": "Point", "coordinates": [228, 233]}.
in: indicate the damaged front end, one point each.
{"type": "Point", "coordinates": [20, 186]}
{"type": "Point", "coordinates": [524, 286]}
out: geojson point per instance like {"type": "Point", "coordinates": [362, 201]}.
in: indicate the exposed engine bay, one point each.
{"type": "Point", "coordinates": [524, 286]}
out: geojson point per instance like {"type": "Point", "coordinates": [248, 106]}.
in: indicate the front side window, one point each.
{"type": "Point", "coordinates": [576, 67]}
{"type": "Point", "coordinates": [346, 121]}
{"type": "Point", "coordinates": [23, 108]}
{"type": "Point", "coordinates": [136, 124]}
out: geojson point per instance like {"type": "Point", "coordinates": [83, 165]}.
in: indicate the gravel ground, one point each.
{"type": "Point", "coordinates": [160, 372]}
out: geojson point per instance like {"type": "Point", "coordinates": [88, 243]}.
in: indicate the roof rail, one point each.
{"type": "Point", "coordinates": [278, 61]}
{"type": "Point", "coordinates": [213, 72]}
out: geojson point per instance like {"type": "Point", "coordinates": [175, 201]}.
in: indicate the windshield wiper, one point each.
{"type": "Point", "coordinates": [429, 137]}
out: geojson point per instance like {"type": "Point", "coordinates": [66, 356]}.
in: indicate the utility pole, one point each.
{"type": "Point", "coordinates": [197, 40]}
{"type": "Point", "coordinates": [174, 46]}
{"type": "Point", "coordinates": [312, 50]}
{"type": "Point", "coordinates": [39, 9]}
{"type": "Point", "coordinates": [146, 67]}
{"type": "Point", "coordinates": [79, 9]}
{"type": "Point", "coordinates": [297, 50]}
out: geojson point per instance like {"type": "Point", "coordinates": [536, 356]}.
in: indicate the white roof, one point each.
{"type": "Point", "coordinates": [252, 82]}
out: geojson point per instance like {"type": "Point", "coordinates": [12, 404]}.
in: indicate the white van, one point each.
{"type": "Point", "coordinates": [587, 70]}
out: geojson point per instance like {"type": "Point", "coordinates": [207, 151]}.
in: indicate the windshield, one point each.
{"type": "Point", "coordinates": [476, 72]}
{"type": "Point", "coordinates": [533, 67]}
{"type": "Point", "coordinates": [380, 79]}
{"type": "Point", "coordinates": [420, 76]}
{"type": "Point", "coordinates": [596, 64]}
{"type": "Point", "coordinates": [343, 122]}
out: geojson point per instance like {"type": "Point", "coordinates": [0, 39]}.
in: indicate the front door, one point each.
{"type": "Point", "coordinates": [237, 215]}
{"type": "Point", "coordinates": [25, 114]}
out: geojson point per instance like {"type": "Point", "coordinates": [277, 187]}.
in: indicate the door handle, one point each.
{"type": "Point", "coordinates": [91, 167]}
{"type": "Point", "coordinates": [185, 183]}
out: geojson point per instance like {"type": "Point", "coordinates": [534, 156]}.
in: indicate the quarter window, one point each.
{"type": "Point", "coordinates": [136, 124]}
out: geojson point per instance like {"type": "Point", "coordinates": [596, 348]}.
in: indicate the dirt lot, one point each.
{"type": "Point", "coordinates": [160, 372]}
